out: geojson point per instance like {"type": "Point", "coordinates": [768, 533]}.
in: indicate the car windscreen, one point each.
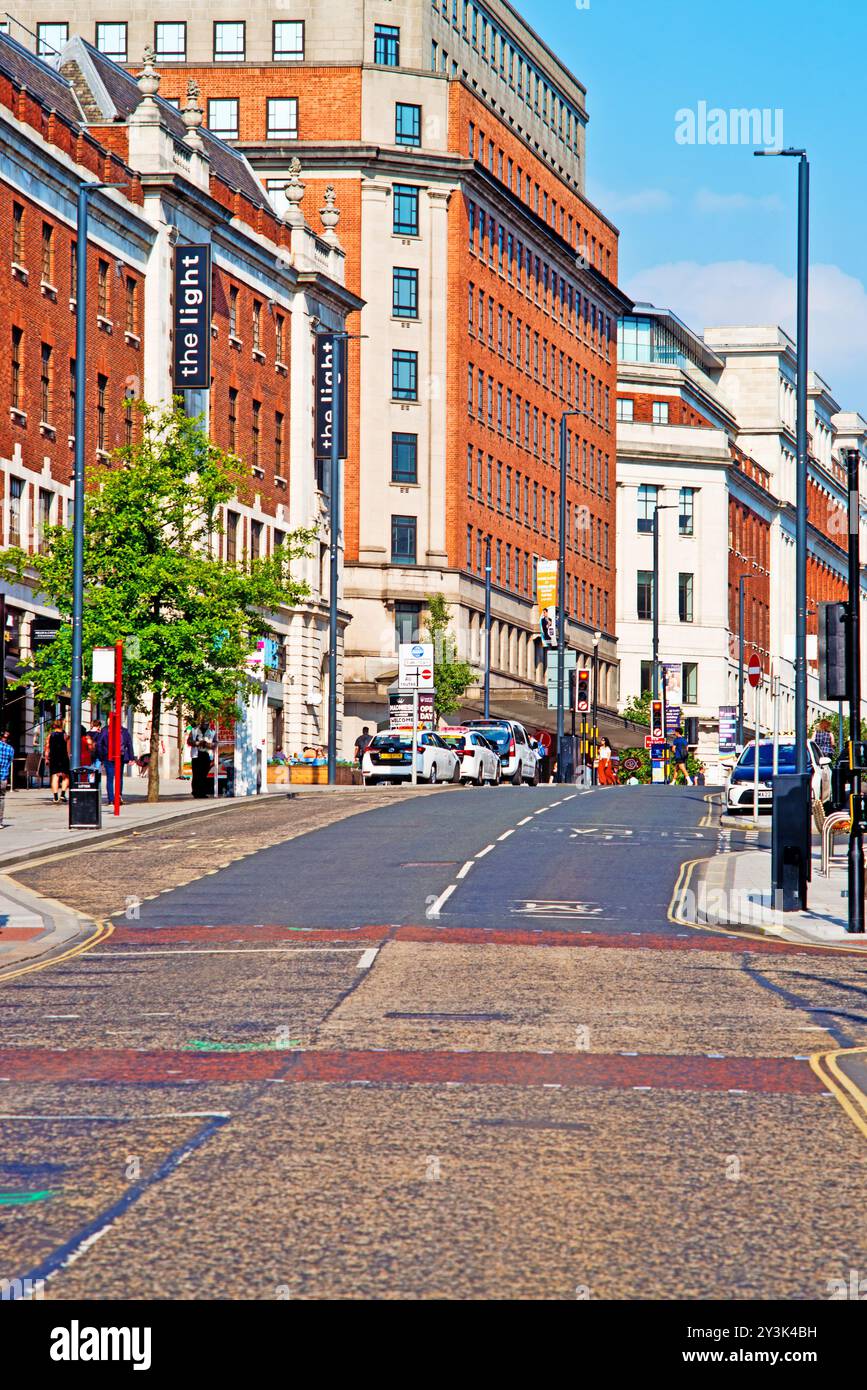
{"type": "Point", "coordinates": [453, 740]}
{"type": "Point", "coordinates": [785, 762]}
{"type": "Point", "coordinates": [499, 736]}
{"type": "Point", "coordinates": [392, 741]}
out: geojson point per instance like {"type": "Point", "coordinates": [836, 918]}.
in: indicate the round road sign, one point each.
{"type": "Point", "coordinates": [754, 670]}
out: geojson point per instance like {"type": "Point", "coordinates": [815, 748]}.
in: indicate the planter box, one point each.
{"type": "Point", "coordinates": [310, 776]}
{"type": "Point", "coordinates": [278, 773]}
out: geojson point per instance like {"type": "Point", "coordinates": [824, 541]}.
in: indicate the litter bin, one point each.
{"type": "Point", "coordinates": [85, 803]}
{"type": "Point", "coordinates": [791, 840]}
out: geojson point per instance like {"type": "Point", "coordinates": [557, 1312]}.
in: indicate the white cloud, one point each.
{"type": "Point", "coordinates": [642, 200]}
{"type": "Point", "coordinates": [707, 201]}
{"type": "Point", "coordinates": [740, 292]}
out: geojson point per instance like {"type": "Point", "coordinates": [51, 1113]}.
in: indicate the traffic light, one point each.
{"type": "Point", "coordinates": [833, 641]}
{"type": "Point", "coordinates": [582, 692]}
{"type": "Point", "coordinates": [656, 727]}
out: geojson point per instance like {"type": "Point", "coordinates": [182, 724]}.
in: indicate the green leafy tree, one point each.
{"type": "Point", "coordinates": [452, 678]}
{"type": "Point", "coordinates": [152, 516]}
{"type": "Point", "coordinates": [637, 709]}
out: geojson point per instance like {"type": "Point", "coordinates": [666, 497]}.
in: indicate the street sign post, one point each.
{"type": "Point", "coordinates": [754, 671]}
{"type": "Point", "coordinates": [415, 673]}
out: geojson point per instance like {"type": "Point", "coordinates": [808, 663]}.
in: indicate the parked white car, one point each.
{"type": "Point", "coordinates": [480, 762]}
{"type": "Point", "coordinates": [519, 756]}
{"type": "Point", "coordinates": [740, 789]}
{"type": "Point", "coordinates": [388, 758]}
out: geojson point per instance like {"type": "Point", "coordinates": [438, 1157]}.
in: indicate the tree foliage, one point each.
{"type": "Point", "coordinates": [452, 678]}
{"type": "Point", "coordinates": [152, 518]}
{"type": "Point", "coordinates": [637, 708]}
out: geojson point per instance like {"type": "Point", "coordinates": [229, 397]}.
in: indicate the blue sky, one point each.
{"type": "Point", "coordinates": [706, 229]}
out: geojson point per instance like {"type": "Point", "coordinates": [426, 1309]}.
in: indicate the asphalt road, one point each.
{"type": "Point", "coordinates": [452, 1046]}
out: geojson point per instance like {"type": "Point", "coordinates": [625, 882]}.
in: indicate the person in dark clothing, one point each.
{"type": "Point", "coordinates": [201, 741]}
{"type": "Point", "coordinates": [105, 753]}
{"type": "Point", "coordinates": [361, 744]}
{"type": "Point", "coordinates": [680, 751]}
{"type": "Point", "coordinates": [58, 761]}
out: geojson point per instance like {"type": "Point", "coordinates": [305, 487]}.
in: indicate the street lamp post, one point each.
{"type": "Point", "coordinates": [597, 637]}
{"type": "Point", "coordinates": [666, 507]}
{"type": "Point", "coordinates": [744, 579]}
{"type": "Point", "coordinates": [488, 628]}
{"type": "Point", "coordinates": [85, 192]}
{"type": "Point", "coordinates": [561, 594]}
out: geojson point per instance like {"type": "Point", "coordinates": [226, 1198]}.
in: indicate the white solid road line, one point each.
{"type": "Point", "coordinates": [367, 958]}
{"type": "Point", "coordinates": [527, 819]}
{"type": "Point", "coordinates": [482, 852]}
{"type": "Point", "coordinates": [505, 835]}
{"type": "Point", "coordinates": [434, 909]}
{"type": "Point", "coordinates": [131, 1119]}
{"type": "Point", "coordinates": [574, 794]}
{"type": "Point", "coordinates": [465, 869]}
{"type": "Point", "coordinates": [232, 951]}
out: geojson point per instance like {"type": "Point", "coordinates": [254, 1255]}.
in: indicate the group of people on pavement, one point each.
{"type": "Point", "coordinates": [95, 752]}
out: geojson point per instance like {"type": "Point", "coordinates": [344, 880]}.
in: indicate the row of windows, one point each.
{"type": "Point", "coordinates": [245, 538]}
{"type": "Point", "coordinates": [113, 283]}
{"type": "Point", "coordinates": [531, 275]}
{"type": "Point", "coordinates": [50, 387]}
{"type": "Point", "coordinates": [30, 510]}
{"type": "Point", "coordinates": [255, 454]}
{"type": "Point", "coordinates": [259, 312]}
{"type": "Point", "coordinates": [648, 500]}
{"type": "Point", "coordinates": [478, 29]}
{"type": "Point", "coordinates": [281, 117]}
{"type": "Point", "coordinates": [626, 411]}
{"type": "Point", "coordinates": [494, 405]}
{"type": "Point", "coordinates": [685, 596]}
{"type": "Point", "coordinates": [170, 40]}
{"type": "Point", "coordinates": [501, 166]}
{"type": "Point", "coordinates": [533, 355]}
{"type": "Point", "coordinates": [510, 492]}
{"type": "Point", "coordinates": [515, 569]}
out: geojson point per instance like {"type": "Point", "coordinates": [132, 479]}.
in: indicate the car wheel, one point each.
{"type": "Point", "coordinates": [480, 779]}
{"type": "Point", "coordinates": [518, 776]}
{"type": "Point", "coordinates": [534, 780]}
{"type": "Point", "coordinates": [371, 781]}
{"type": "Point", "coordinates": [498, 775]}
{"type": "Point", "coordinates": [432, 776]}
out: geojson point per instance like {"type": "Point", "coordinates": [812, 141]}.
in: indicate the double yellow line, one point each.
{"type": "Point", "coordinates": [102, 932]}
{"type": "Point", "coordinates": [853, 1100]}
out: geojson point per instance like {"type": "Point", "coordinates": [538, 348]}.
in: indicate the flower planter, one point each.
{"type": "Point", "coordinates": [278, 773]}
{"type": "Point", "coordinates": [309, 776]}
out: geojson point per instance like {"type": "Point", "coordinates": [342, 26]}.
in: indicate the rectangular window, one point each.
{"type": "Point", "coordinates": [407, 124]}
{"type": "Point", "coordinates": [17, 387]}
{"type": "Point", "coordinates": [256, 434]}
{"type": "Point", "coordinates": [229, 41]}
{"type": "Point", "coordinates": [112, 41]}
{"type": "Point", "coordinates": [660, 412]}
{"type": "Point", "coordinates": [231, 538]}
{"type": "Point", "coordinates": [233, 312]}
{"type": "Point", "coordinates": [50, 38]}
{"type": "Point", "coordinates": [684, 597]}
{"type": "Point", "coordinates": [101, 388]}
{"type": "Point", "coordinates": [102, 299]}
{"type": "Point", "coordinates": [257, 325]}
{"type": "Point", "coordinates": [288, 43]}
{"type": "Point", "coordinates": [278, 442]}
{"type": "Point", "coordinates": [131, 305]}
{"type": "Point", "coordinates": [686, 511]}
{"type": "Point", "coordinates": [404, 296]}
{"type": "Point", "coordinates": [386, 45]}
{"type": "Point", "coordinates": [647, 498]}
{"type": "Point", "coordinates": [128, 399]}
{"type": "Point", "coordinates": [16, 492]}
{"type": "Point", "coordinates": [43, 519]}
{"type": "Point", "coordinates": [233, 419]}
{"type": "Point", "coordinates": [403, 540]}
{"type": "Point", "coordinates": [282, 118]}
{"type": "Point", "coordinates": [223, 117]}
{"type": "Point", "coordinates": [404, 458]}
{"type": "Point", "coordinates": [404, 375]}
{"type": "Point", "coordinates": [690, 684]}
{"type": "Point", "coordinates": [405, 211]}
{"type": "Point", "coordinates": [71, 394]}
{"type": "Point", "coordinates": [625, 411]}
{"type": "Point", "coordinates": [46, 384]}
{"type": "Point", "coordinates": [644, 595]}
{"type": "Point", "coordinates": [170, 41]}
{"type": "Point", "coordinates": [47, 253]}
{"type": "Point", "coordinates": [407, 622]}
{"type": "Point", "coordinates": [73, 269]}
{"type": "Point", "coordinates": [18, 234]}
{"type": "Point", "coordinates": [279, 330]}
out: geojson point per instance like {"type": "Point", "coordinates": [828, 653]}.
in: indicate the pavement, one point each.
{"type": "Point", "coordinates": [456, 1044]}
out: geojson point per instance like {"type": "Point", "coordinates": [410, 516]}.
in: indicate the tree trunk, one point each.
{"type": "Point", "coordinates": [154, 759]}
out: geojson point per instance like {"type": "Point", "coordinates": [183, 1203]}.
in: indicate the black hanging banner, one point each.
{"type": "Point", "coordinates": [330, 391]}
{"type": "Point", "coordinates": [192, 318]}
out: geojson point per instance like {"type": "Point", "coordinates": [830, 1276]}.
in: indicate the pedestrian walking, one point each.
{"type": "Point", "coordinates": [604, 770]}
{"type": "Point", "coordinates": [95, 731]}
{"type": "Point", "coordinates": [361, 744]}
{"type": "Point", "coordinates": [7, 755]}
{"type": "Point", "coordinates": [58, 761]}
{"type": "Point", "coordinates": [825, 739]}
{"type": "Point", "coordinates": [200, 740]}
{"type": "Point", "coordinates": [680, 753]}
{"type": "Point", "coordinates": [105, 752]}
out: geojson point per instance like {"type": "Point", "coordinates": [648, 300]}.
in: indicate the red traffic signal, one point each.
{"type": "Point", "coordinates": [656, 718]}
{"type": "Point", "coordinates": [582, 692]}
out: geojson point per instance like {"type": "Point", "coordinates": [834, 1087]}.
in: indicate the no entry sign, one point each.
{"type": "Point", "coordinates": [754, 671]}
